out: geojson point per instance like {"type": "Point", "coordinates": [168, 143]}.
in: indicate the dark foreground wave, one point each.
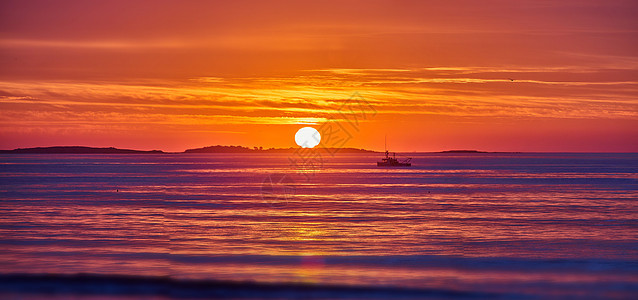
{"type": "Point", "coordinates": [164, 287]}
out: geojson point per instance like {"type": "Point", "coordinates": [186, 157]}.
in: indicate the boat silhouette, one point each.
{"type": "Point", "coordinates": [392, 161]}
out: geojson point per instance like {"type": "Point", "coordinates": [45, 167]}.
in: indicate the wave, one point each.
{"type": "Point", "coordinates": [167, 287]}
{"type": "Point", "coordinates": [427, 262]}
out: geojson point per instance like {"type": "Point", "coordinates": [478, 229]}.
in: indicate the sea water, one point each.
{"type": "Point", "coordinates": [513, 225]}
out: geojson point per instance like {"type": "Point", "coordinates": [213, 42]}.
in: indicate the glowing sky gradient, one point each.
{"type": "Point", "coordinates": [173, 75]}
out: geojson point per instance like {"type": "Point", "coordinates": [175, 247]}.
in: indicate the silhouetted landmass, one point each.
{"type": "Point", "coordinates": [77, 150]}
{"type": "Point", "coordinates": [209, 149]}
{"type": "Point", "coordinates": [240, 149]}
{"type": "Point", "coordinates": [221, 149]}
{"type": "Point", "coordinates": [476, 152]}
{"type": "Point", "coordinates": [463, 151]}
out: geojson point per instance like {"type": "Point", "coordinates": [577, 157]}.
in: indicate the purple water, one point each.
{"type": "Point", "coordinates": [514, 225]}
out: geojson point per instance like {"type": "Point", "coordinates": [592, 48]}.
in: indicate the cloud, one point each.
{"type": "Point", "coordinates": [88, 44]}
{"type": "Point", "coordinates": [315, 95]}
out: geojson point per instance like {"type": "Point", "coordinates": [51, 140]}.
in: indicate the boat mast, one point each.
{"type": "Point", "coordinates": [385, 144]}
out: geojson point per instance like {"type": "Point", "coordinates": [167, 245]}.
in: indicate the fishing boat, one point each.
{"type": "Point", "coordinates": [392, 161]}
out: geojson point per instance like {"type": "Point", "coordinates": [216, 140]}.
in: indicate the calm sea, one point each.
{"type": "Point", "coordinates": [508, 225]}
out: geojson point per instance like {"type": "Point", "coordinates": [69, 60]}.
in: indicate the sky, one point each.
{"type": "Point", "coordinates": [493, 75]}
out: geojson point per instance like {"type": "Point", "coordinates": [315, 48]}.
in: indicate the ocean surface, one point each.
{"type": "Point", "coordinates": [514, 226]}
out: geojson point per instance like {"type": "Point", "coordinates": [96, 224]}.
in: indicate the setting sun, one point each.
{"type": "Point", "coordinates": [307, 137]}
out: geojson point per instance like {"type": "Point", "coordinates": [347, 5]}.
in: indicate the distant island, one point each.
{"type": "Point", "coordinates": [209, 149]}
{"type": "Point", "coordinates": [77, 150]}
{"type": "Point", "coordinates": [462, 151]}
{"type": "Point", "coordinates": [240, 149]}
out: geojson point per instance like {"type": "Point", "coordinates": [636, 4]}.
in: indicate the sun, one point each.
{"type": "Point", "coordinates": [307, 137]}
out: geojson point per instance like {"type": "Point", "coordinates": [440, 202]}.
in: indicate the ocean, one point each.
{"type": "Point", "coordinates": [252, 226]}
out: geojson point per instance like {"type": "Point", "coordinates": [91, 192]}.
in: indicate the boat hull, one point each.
{"type": "Point", "coordinates": [384, 164]}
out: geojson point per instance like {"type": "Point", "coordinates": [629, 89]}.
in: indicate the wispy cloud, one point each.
{"type": "Point", "coordinates": [314, 96]}
{"type": "Point", "coordinates": [88, 44]}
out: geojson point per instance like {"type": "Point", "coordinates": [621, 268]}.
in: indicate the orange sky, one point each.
{"type": "Point", "coordinates": [173, 75]}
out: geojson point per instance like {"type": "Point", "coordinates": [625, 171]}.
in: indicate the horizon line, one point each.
{"type": "Point", "coordinates": [254, 148]}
